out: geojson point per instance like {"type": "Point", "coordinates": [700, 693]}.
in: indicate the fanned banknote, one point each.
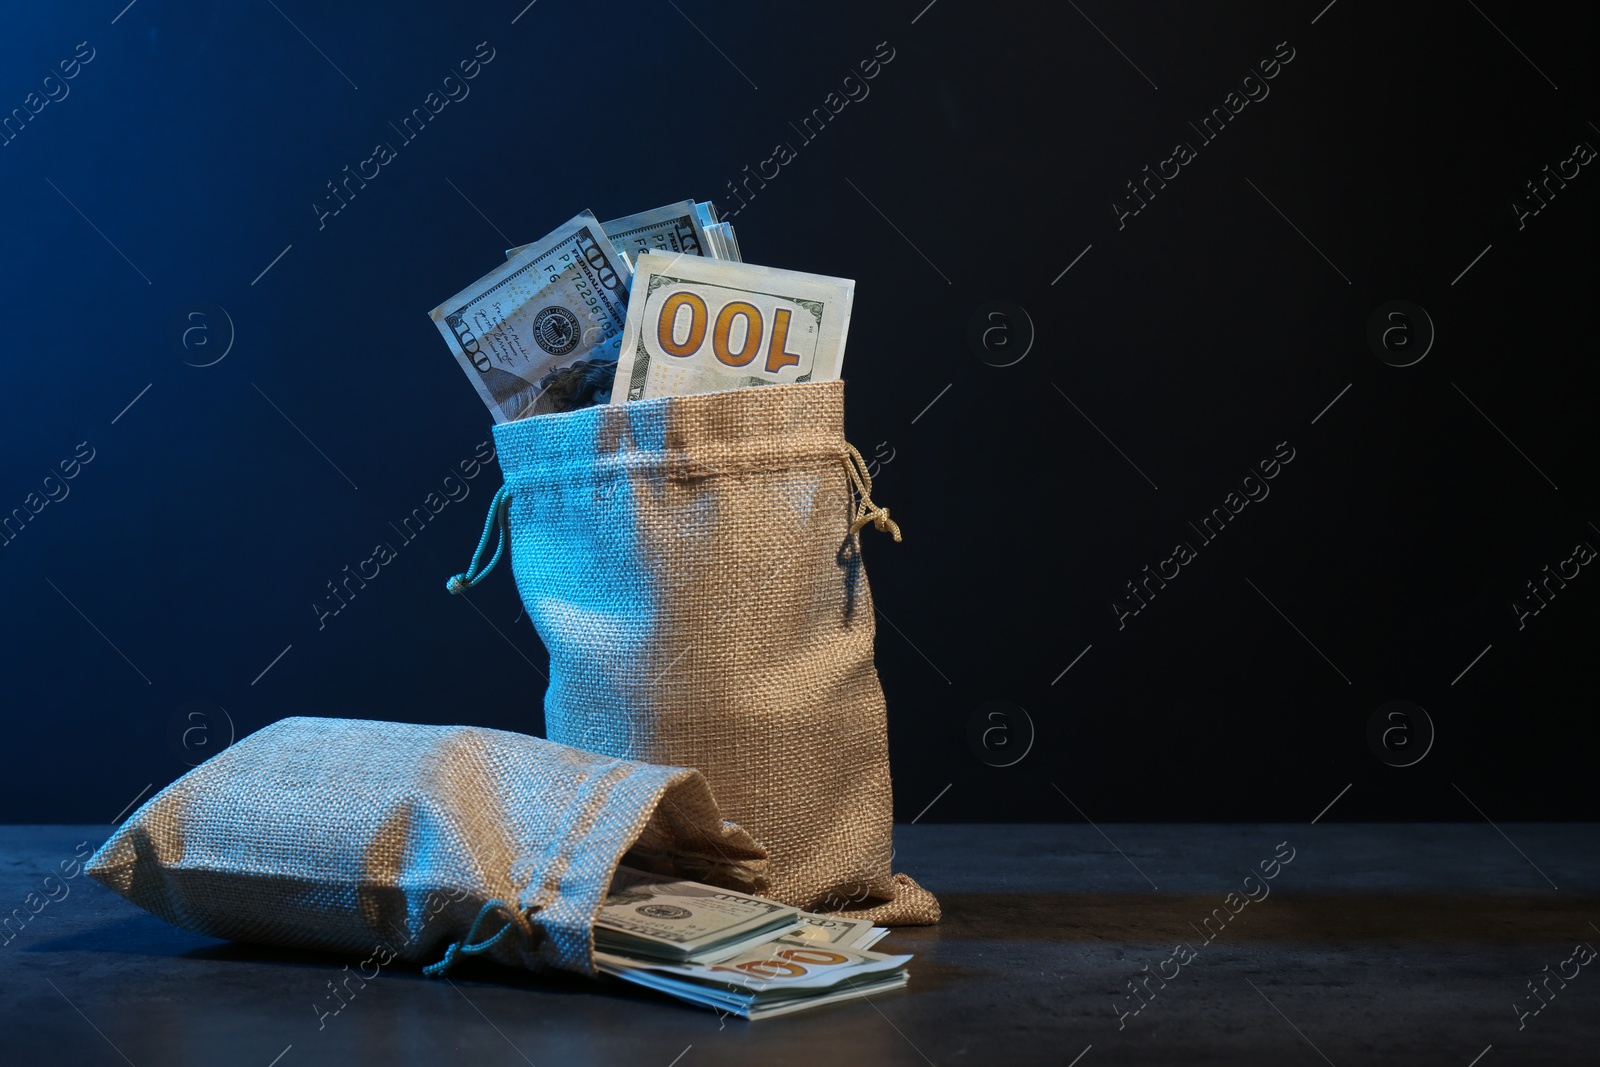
{"type": "Point", "coordinates": [679, 227]}
{"type": "Point", "coordinates": [673, 228]}
{"type": "Point", "coordinates": [703, 325]}
{"type": "Point", "coordinates": [541, 332]}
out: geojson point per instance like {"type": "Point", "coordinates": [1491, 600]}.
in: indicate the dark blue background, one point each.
{"type": "Point", "coordinates": [191, 548]}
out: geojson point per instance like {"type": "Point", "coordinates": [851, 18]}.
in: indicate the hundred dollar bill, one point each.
{"type": "Point", "coordinates": [721, 234]}
{"type": "Point", "coordinates": [542, 331]}
{"type": "Point", "coordinates": [870, 938]}
{"type": "Point", "coordinates": [702, 325]}
{"type": "Point", "coordinates": [652, 916]}
{"type": "Point", "coordinates": [673, 228]}
{"type": "Point", "coordinates": [753, 1006]}
{"type": "Point", "coordinates": [716, 247]}
{"type": "Point", "coordinates": [772, 969]}
{"type": "Point", "coordinates": [827, 930]}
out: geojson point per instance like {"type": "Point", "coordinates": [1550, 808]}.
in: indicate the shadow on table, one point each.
{"type": "Point", "coordinates": [145, 935]}
{"type": "Point", "coordinates": [148, 937]}
{"type": "Point", "coordinates": [1282, 917]}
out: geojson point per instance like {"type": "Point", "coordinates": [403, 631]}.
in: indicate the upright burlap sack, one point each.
{"type": "Point", "coordinates": [414, 842]}
{"type": "Point", "coordinates": [693, 565]}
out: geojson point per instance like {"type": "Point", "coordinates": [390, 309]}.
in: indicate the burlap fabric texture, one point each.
{"type": "Point", "coordinates": [421, 843]}
{"type": "Point", "coordinates": [693, 565]}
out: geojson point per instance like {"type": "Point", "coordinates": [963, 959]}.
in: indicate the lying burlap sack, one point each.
{"type": "Point", "coordinates": [422, 842]}
{"type": "Point", "coordinates": [693, 565]}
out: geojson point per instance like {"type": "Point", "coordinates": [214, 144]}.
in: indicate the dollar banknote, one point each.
{"type": "Point", "coordinates": [722, 236]}
{"type": "Point", "coordinates": [698, 325]}
{"type": "Point", "coordinates": [871, 937]}
{"type": "Point", "coordinates": [772, 967]}
{"type": "Point", "coordinates": [712, 947]}
{"type": "Point", "coordinates": [716, 247]}
{"type": "Point", "coordinates": [653, 916]}
{"type": "Point", "coordinates": [751, 1003]}
{"type": "Point", "coordinates": [542, 332]}
{"type": "Point", "coordinates": [770, 979]}
{"type": "Point", "coordinates": [679, 227]}
{"type": "Point", "coordinates": [673, 228]}
{"type": "Point", "coordinates": [829, 930]}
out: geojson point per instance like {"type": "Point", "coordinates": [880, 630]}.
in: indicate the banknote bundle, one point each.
{"type": "Point", "coordinates": [735, 953]}
{"type": "Point", "coordinates": [658, 303]}
{"type": "Point", "coordinates": [654, 917]}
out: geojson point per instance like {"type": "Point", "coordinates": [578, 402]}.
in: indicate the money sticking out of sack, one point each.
{"type": "Point", "coordinates": [655, 917]}
{"type": "Point", "coordinates": [736, 953]}
{"type": "Point", "coordinates": [659, 303]}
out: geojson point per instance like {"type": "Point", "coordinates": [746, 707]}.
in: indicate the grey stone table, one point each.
{"type": "Point", "coordinates": [1373, 944]}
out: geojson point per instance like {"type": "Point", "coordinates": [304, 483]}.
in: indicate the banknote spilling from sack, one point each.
{"type": "Point", "coordinates": [735, 953]}
{"type": "Point", "coordinates": [660, 303]}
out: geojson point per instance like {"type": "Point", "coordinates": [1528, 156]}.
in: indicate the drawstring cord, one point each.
{"type": "Point", "coordinates": [866, 510]}
{"type": "Point", "coordinates": [497, 523]}
{"type": "Point", "coordinates": [477, 569]}
{"type": "Point", "coordinates": [467, 946]}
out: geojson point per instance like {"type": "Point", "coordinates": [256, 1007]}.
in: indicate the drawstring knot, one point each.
{"type": "Point", "coordinates": [477, 569]}
{"type": "Point", "coordinates": [866, 510]}
{"type": "Point", "coordinates": [468, 946]}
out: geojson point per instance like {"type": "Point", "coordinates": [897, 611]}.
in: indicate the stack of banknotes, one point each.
{"type": "Point", "coordinates": [736, 953]}
{"type": "Point", "coordinates": [660, 303]}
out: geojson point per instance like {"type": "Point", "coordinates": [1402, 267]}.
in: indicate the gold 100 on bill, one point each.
{"type": "Point", "coordinates": [702, 325]}
{"type": "Point", "coordinates": [658, 303]}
